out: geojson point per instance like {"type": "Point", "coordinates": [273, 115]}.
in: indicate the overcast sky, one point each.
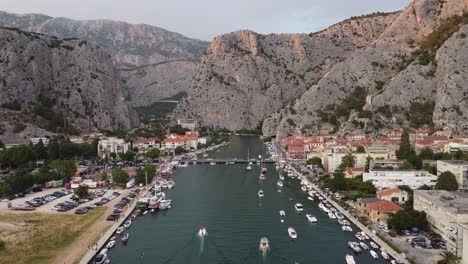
{"type": "Point", "coordinates": [204, 19]}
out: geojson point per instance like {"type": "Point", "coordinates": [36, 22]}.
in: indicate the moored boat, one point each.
{"type": "Point", "coordinates": [374, 254]}
{"type": "Point", "coordinates": [202, 231]}
{"type": "Point", "coordinates": [125, 237]}
{"type": "Point", "coordinates": [363, 245]}
{"type": "Point", "coordinates": [282, 213]}
{"type": "Point", "coordinates": [260, 193]}
{"type": "Point", "coordinates": [264, 244]}
{"type": "Point", "coordinates": [331, 215]}
{"type": "Point", "coordinates": [279, 183]}
{"type": "Point", "coordinates": [374, 245]}
{"type": "Point", "coordinates": [299, 207]}
{"type": "Point", "coordinates": [384, 254]}
{"type": "Point", "coordinates": [311, 218]}
{"type": "Point", "coordinates": [127, 223]}
{"type": "Point", "coordinates": [350, 259]}
{"type": "Point", "coordinates": [310, 198]}
{"type": "Point", "coordinates": [119, 230]}
{"type": "Point", "coordinates": [292, 233]}
{"type": "Point", "coordinates": [111, 244]}
{"type": "Point", "coordinates": [354, 246]}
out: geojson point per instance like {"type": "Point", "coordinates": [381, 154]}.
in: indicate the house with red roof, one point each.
{"type": "Point", "coordinates": [377, 210]}
{"type": "Point", "coordinates": [353, 172]}
{"type": "Point", "coordinates": [189, 141]}
{"type": "Point", "coordinates": [145, 144]}
{"type": "Point", "coordinates": [395, 195]}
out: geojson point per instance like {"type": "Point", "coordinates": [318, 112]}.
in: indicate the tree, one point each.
{"type": "Point", "coordinates": [426, 154]}
{"type": "Point", "coordinates": [82, 191]}
{"type": "Point", "coordinates": [315, 161]}
{"type": "Point", "coordinates": [179, 150]}
{"type": "Point", "coordinates": [20, 182]}
{"type": "Point", "coordinates": [2, 245]}
{"type": "Point", "coordinates": [144, 173]}
{"type": "Point", "coordinates": [2, 145]}
{"type": "Point", "coordinates": [339, 181]}
{"type": "Point", "coordinates": [406, 166]}
{"type": "Point", "coordinates": [346, 161]}
{"type": "Point", "coordinates": [446, 181]}
{"type": "Point", "coordinates": [127, 156]}
{"type": "Point", "coordinates": [119, 177]}
{"type": "Point", "coordinates": [416, 161]}
{"type": "Point", "coordinates": [448, 258]}
{"type": "Point", "coordinates": [446, 156]}
{"type": "Point", "coordinates": [153, 153]}
{"type": "Point", "coordinates": [53, 149]}
{"type": "Point", "coordinates": [66, 168]}
{"type": "Point", "coordinates": [104, 176]}
{"type": "Point", "coordinates": [361, 149]}
{"type": "Point", "coordinates": [429, 168]}
{"type": "Point", "coordinates": [458, 155]}
{"type": "Point", "coordinates": [407, 219]}
{"type": "Point", "coordinates": [40, 152]}
{"type": "Point", "coordinates": [113, 155]}
{"type": "Point", "coordinates": [406, 150]}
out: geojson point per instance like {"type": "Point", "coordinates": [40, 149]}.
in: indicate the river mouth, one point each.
{"type": "Point", "coordinates": [224, 199]}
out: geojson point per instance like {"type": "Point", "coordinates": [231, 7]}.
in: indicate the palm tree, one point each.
{"type": "Point", "coordinates": [448, 258]}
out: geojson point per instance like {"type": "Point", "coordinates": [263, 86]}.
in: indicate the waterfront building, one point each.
{"type": "Point", "coordinates": [145, 144]}
{"type": "Point", "coordinates": [377, 210]}
{"type": "Point", "coordinates": [395, 195]}
{"type": "Point", "coordinates": [459, 168]}
{"type": "Point", "coordinates": [385, 179]}
{"type": "Point", "coordinates": [112, 145]}
{"type": "Point", "coordinates": [447, 214]}
{"type": "Point", "coordinates": [380, 151]}
{"type": "Point", "coordinates": [333, 160]}
{"type": "Point", "coordinates": [189, 141]}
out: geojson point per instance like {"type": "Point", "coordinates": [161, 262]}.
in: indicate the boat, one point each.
{"type": "Point", "coordinates": [264, 244]}
{"type": "Point", "coordinates": [111, 244]}
{"type": "Point", "coordinates": [346, 222]}
{"type": "Point", "coordinates": [202, 231]}
{"type": "Point", "coordinates": [292, 233]}
{"type": "Point", "coordinates": [331, 215]}
{"type": "Point", "coordinates": [125, 237]}
{"type": "Point", "coordinates": [363, 245]}
{"type": "Point", "coordinates": [310, 198]}
{"type": "Point", "coordinates": [311, 218]}
{"type": "Point", "coordinates": [311, 193]}
{"type": "Point", "coordinates": [358, 236]}
{"type": "Point", "coordinates": [262, 177]}
{"type": "Point", "coordinates": [112, 238]}
{"type": "Point", "coordinates": [119, 230]}
{"type": "Point", "coordinates": [346, 228]}
{"type": "Point", "coordinates": [249, 166]}
{"type": "Point", "coordinates": [145, 212]}
{"type": "Point", "coordinates": [304, 189]}
{"type": "Point", "coordinates": [374, 245]}
{"type": "Point", "coordinates": [354, 246]}
{"type": "Point", "coordinates": [299, 207]}
{"type": "Point", "coordinates": [279, 183]}
{"type": "Point", "coordinates": [264, 170]}
{"type": "Point", "coordinates": [281, 177]}
{"type": "Point", "coordinates": [364, 235]}
{"type": "Point", "coordinates": [101, 258]}
{"type": "Point", "coordinates": [127, 223]}
{"type": "Point", "coordinates": [260, 193]}
{"type": "Point", "coordinates": [165, 204]}
{"type": "Point", "coordinates": [133, 217]}
{"type": "Point", "coordinates": [152, 210]}
{"type": "Point", "coordinates": [384, 254]}
{"type": "Point", "coordinates": [282, 213]}
{"type": "Point", "coordinates": [350, 259]}
{"type": "Point", "coordinates": [339, 215]}
{"type": "Point", "coordinates": [374, 254]}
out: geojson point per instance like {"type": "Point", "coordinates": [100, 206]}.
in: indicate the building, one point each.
{"type": "Point", "coordinates": [379, 151]}
{"type": "Point", "coordinates": [453, 147]}
{"type": "Point", "coordinates": [459, 168]}
{"type": "Point", "coordinates": [76, 139]}
{"type": "Point", "coordinates": [394, 195]}
{"type": "Point", "coordinates": [333, 160]}
{"type": "Point", "coordinates": [145, 144]}
{"type": "Point", "coordinates": [447, 214]}
{"type": "Point", "coordinates": [377, 210]}
{"type": "Point", "coordinates": [386, 179]}
{"type": "Point", "coordinates": [353, 172]}
{"type": "Point", "coordinates": [385, 164]}
{"type": "Point", "coordinates": [296, 150]}
{"type": "Point", "coordinates": [187, 123]}
{"type": "Point", "coordinates": [112, 145]}
{"type": "Point", "coordinates": [34, 141]}
{"type": "Point", "coordinates": [189, 141]}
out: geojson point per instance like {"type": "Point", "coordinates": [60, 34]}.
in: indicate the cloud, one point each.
{"type": "Point", "coordinates": [204, 19]}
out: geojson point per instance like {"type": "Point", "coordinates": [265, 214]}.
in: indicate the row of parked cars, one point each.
{"type": "Point", "coordinates": [38, 201]}
{"type": "Point", "coordinates": [75, 201]}
{"type": "Point", "coordinates": [120, 205]}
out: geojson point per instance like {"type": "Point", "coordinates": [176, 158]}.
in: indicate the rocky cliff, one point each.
{"type": "Point", "coordinates": [55, 85]}
{"type": "Point", "coordinates": [245, 76]}
{"type": "Point", "coordinates": [135, 50]}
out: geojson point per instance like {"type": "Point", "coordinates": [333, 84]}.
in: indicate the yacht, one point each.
{"type": "Point", "coordinates": [363, 245]}
{"type": "Point", "coordinates": [310, 198]}
{"type": "Point", "coordinates": [112, 238]}
{"type": "Point", "coordinates": [249, 167]}
{"type": "Point", "coordinates": [127, 223]}
{"type": "Point", "coordinates": [374, 254]}
{"type": "Point", "coordinates": [119, 230]}
{"type": "Point", "coordinates": [299, 207]}
{"type": "Point", "coordinates": [145, 212]}
{"type": "Point", "coordinates": [374, 245]}
{"type": "Point", "coordinates": [364, 236]}
{"type": "Point", "coordinates": [264, 245]}
{"type": "Point", "coordinates": [331, 215]}
{"type": "Point", "coordinates": [311, 218]}
{"type": "Point", "coordinates": [354, 246]}
{"type": "Point", "coordinates": [350, 259]}
{"type": "Point", "coordinates": [359, 236]}
{"type": "Point", "coordinates": [260, 193]}
{"type": "Point", "coordinates": [202, 231]}
{"type": "Point", "coordinates": [292, 233]}
{"type": "Point", "coordinates": [101, 258]}
{"type": "Point", "coordinates": [304, 189]}
{"type": "Point", "coordinates": [346, 228]}
{"type": "Point", "coordinates": [384, 254]}
{"type": "Point", "coordinates": [311, 193]}
{"type": "Point", "coordinates": [346, 222]}
{"type": "Point", "coordinates": [125, 237]}
{"type": "Point", "coordinates": [280, 183]}
{"type": "Point", "coordinates": [111, 244]}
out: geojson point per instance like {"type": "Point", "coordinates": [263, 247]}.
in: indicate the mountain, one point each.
{"type": "Point", "coordinates": [374, 72]}
{"type": "Point", "coordinates": [55, 85]}
{"type": "Point", "coordinates": [167, 60]}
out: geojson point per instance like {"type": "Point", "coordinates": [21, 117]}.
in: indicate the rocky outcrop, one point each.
{"type": "Point", "coordinates": [244, 76]}
{"type": "Point", "coordinates": [132, 47]}
{"type": "Point", "coordinates": [58, 85]}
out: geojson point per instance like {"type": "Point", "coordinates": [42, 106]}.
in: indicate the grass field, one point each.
{"type": "Point", "coordinates": [38, 238]}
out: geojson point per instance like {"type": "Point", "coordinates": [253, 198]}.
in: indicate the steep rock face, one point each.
{"type": "Point", "coordinates": [245, 76]}
{"type": "Point", "coordinates": [131, 47]}
{"type": "Point", "coordinates": [59, 84]}
{"type": "Point", "coordinates": [383, 61]}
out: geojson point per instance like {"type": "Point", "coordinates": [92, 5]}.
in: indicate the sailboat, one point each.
{"type": "Point", "coordinates": [249, 167]}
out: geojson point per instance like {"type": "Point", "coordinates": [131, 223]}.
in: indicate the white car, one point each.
{"type": "Point", "coordinates": [4, 200]}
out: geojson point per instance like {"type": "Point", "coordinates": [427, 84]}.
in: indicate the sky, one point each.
{"type": "Point", "coordinates": [205, 19]}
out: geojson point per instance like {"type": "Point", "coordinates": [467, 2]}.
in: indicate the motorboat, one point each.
{"type": "Point", "coordinates": [262, 177]}
{"type": "Point", "coordinates": [101, 258]}
{"type": "Point", "coordinates": [260, 193]}
{"type": "Point", "coordinates": [127, 223]}
{"type": "Point", "coordinates": [364, 235]}
{"type": "Point", "coordinates": [165, 204]}
{"type": "Point", "coordinates": [339, 215]}
{"type": "Point", "coordinates": [358, 236]}
{"type": "Point", "coordinates": [264, 170]}
{"type": "Point", "coordinates": [304, 189]}
{"type": "Point", "coordinates": [125, 237]}
{"type": "Point", "coordinates": [346, 228]}
{"type": "Point", "coordinates": [264, 244]}
{"type": "Point", "coordinates": [249, 167]}
{"type": "Point", "coordinates": [281, 177]}
{"type": "Point", "coordinates": [133, 217]}
{"type": "Point", "coordinates": [282, 213]}
{"type": "Point", "coordinates": [363, 245]}
{"type": "Point", "coordinates": [112, 238]}
{"type": "Point", "coordinates": [311, 193]}
{"type": "Point", "coordinates": [346, 222]}
{"type": "Point", "coordinates": [350, 259]}
{"type": "Point", "coordinates": [145, 212]}
{"type": "Point", "coordinates": [202, 231]}
{"type": "Point", "coordinates": [111, 244]}
{"type": "Point", "coordinates": [292, 233]}
{"type": "Point", "coordinates": [119, 230]}
{"type": "Point", "coordinates": [374, 254]}
{"type": "Point", "coordinates": [299, 207]}
{"type": "Point", "coordinates": [331, 215]}
{"type": "Point", "coordinates": [311, 218]}
{"type": "Point", "coordinates": [384, 254]}
{"type": "Point", "coordinates": [310, 198]}
{"type": "Point", "coordinates": [354, 246]}
{"type": "Point", "coordinates": [374, 245]}
{"type": "Point", "coordinates": [279, 183]}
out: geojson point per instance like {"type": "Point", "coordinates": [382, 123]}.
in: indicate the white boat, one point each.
{"type": "Point", "coordinates": [310, 198]}
{"type": "Point", "coordinates": [374, 254]}
{"type": "Point", "coordinates": [374, 245]}
{"type": "Point", "coordinates": [260, 193]}
{"type": "Point", "coordinates": [264, 244]}
{"type": "Point", "coordinates": [350, 259]}
{"type": "Point", "coordinates": [145, 212]}
{"type": "Point", "coordinates": [364, 235]}
{"type": "Point", "coordinates": [165, 204]}
{"type": "Point", "coordinates": [119, 230]}
{"type": "Point", "coordinates": [311, 193]}
{"type": "Point", "coordinates": [152, 210]}
{"type": "Point", "coordinates": [346, 222]}
{"type": "Point", "coordinates": [262, 177]}
{"type": "Point", "coordinates": [354, 246]}
{"type": "Point", "coordinates": [311, 218]}
{"type": "Point", "coordinates": [125, 237]}
{"type": "Point", "coordinates": [292, 233]}
{"type": "Point", "coordinates": [127, 223]}
{"type": "Point", "coordinates": [299, 207]}
{"type": "Point", "coordinates": [202, 231]}
{"type": "Point", "coordinates": [331, 215]}
{"type": "Point", "coordinates": [346, 228]}
{"type": "Point", "coordinates": [384, 254]}
{"type": "Point", "coordinates": [101, 258]}
{"type": "Point", "coordinates": [304, 189]}
{"type": "Point", "coordinates": [282, 213]}
{"type": "Point", "coordinates": [111, 244]}
{"type": "Point", "coordinates": [249, 167]}
{"type": "Point", "coordinates": [358, 236]}
{"type": "Point", "coordinates": [279, 183]}
{"type": "Point", "coordinates": [281, 177]}
{"type": "Point", "coordinates": [112, 238]}
{"type": "Point", "coordinates": [363, 245]}
{"type": "Point", "coordinates": [339, 215]}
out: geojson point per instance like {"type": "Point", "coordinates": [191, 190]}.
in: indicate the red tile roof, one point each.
{"type": "Point", "coordinates": [389, 191]}
{"type": "Point", "coordinates": [384, 206]}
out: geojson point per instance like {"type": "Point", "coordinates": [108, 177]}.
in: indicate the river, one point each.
{"type": "Point", "coordinates": [224, 199]}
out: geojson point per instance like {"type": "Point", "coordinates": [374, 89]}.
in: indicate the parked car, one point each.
{"type": "Point", "coordinates": [392, 233]}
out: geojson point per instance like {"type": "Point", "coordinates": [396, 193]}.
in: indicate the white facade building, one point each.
{"type": "Point", "coordinates": [112, 145]}
{"type": "Point", "coordinates": [331, 161]}
{"type": "Point", "coordinates": [187, 123]}
{"type": "Point", "coordinates": [34, 141]}
{"type": "Point", "coordinates": [459, 168]}
{"type": "Point", "coordinates": [385, 179]}
{"type": "Point", "coordinates": [453, 147]}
